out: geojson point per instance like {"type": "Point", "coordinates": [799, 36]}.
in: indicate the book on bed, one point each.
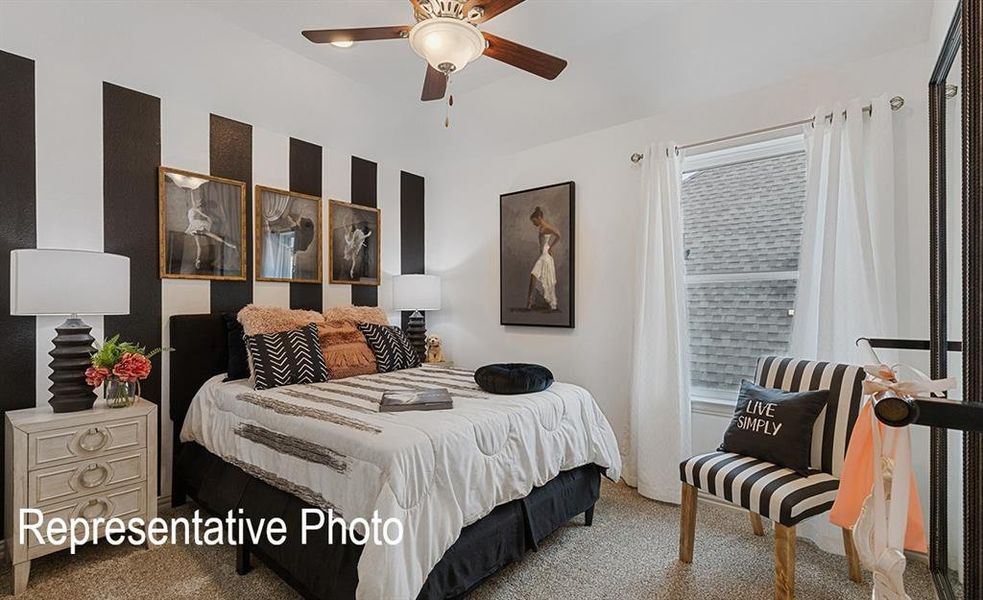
{"type": "Point", "coordinates": [398, 401]}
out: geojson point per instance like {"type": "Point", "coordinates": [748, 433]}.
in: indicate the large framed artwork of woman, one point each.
{"type": "Point", "coordinates": [537, 256]}
{"type": "Point", "coordinates": [202, 226]}
{"type": "Point", "coordinates": [354, 244]}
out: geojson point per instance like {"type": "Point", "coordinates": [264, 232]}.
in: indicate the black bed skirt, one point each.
{"type": "Point", "coordinates": [329, 572]}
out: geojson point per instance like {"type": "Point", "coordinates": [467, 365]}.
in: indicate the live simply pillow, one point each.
{"type": "Point", "coordinates": [774, 425]}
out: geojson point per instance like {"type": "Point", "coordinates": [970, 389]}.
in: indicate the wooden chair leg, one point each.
{"type": "Point", "coordinates": [687, 523]}
{"type": "Point", "coordinates": [852, 559]}
{"type": "Point", "coordinates": [756, 526]}
{"type": "Point", "coordinates": [784, 562]}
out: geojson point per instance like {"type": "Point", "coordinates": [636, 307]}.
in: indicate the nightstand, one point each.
{"type": "Point", "coordinates": [96, 463]}
{"type": "Point", "coordinates": [444, 364]}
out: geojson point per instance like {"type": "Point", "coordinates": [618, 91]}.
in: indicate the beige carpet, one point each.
{"type": "Point", "coordinates": [630, 552]}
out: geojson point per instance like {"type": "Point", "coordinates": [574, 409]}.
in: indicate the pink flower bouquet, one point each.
{"type": "Point", "coordinates": [120, 367]}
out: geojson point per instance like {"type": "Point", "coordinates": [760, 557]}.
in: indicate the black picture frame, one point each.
{"type": "Point", "coordinates": [510, 314]}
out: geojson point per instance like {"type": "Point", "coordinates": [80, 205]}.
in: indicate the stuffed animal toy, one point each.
{"type": "Point", "coordinates": [435, 353]}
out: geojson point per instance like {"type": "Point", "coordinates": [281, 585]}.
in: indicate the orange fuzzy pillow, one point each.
{"type": "Point", "coordinates": [271, 319]}
{"type": "Point", "coordinates": [356, 314]}
{"type": "Point", "coordinates": [344, 347]}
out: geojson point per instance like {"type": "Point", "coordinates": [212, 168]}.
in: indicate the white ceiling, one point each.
{"type": "Point", "coordinates": [564, 28]}
{"type": "Point", "coordinates": [628, 58]}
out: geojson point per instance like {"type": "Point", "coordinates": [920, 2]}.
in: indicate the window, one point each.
{"type": "Point", "coordinates": [742, 230]}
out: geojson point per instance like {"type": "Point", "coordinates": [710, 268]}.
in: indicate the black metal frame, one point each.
{"type": "Point", "coordinates": [938, 306]}
{"type": "Point", "coordinates": [972, 188]}
{"type": "Point", "coordinates": [964, 33]}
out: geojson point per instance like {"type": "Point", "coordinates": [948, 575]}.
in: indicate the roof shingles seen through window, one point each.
{"type": "Point", "coordinates": [741, 218]}
{"type": "Point", "coordinates": [745, 217]}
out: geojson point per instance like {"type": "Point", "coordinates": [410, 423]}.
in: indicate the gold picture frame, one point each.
{"type": "Point", "coordinates": [173, 264]}
{"type": "Point", "coordinates": [259, 246]}
{"type": "Point", "coordinates": [340, 262]}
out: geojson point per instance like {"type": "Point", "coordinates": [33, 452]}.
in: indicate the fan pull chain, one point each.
{"type": "Point", "coordinates": [450, 103]}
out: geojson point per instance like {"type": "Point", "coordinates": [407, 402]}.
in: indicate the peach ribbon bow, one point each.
{"type": "Point", "coordinates": [883, 379]}
{"type": "Point", "coordinates": [857, 479]}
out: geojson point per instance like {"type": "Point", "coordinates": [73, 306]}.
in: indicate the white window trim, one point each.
{"type": "Point", "coordinates": [697, 161]}
{"type": "Point", "coordinates": [742, 276]}
{"type": "Point", "coordinates": [720, 403]}
{"type": "Point", "coordinates": [716, 403]}
{"type": "Point", "coordinates": [715, 407]}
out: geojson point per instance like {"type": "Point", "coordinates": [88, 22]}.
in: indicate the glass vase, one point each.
{"type": "Point", "coordinates": [120, 394]}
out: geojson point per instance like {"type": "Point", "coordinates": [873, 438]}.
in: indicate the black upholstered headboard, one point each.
{"type": "Point", "coordinates": [201, 351]}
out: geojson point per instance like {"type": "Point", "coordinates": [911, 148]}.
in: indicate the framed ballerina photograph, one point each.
{"type": "Point", "coordinates": [354, 245]}
{"type": "Point", "coordinates": [537, 256]}
{"type": "Point", "coordinates": [202, 226]}
{"type": "Point", "coordinates": [288, 236]}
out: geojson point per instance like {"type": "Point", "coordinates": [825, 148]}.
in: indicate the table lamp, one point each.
{"type": "Point", "coordinates": [417, 293]}
{"type": "Point", "coordinates": [72, 283]}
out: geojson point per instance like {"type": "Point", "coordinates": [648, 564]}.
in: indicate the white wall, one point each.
{"type": "Point", "coordinates": [462, 229]}
{"type": "Point", "coordinates": [196, 65]}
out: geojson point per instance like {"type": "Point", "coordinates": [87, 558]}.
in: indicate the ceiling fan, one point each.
{"type": "Point", "coordinates": [447, 36]}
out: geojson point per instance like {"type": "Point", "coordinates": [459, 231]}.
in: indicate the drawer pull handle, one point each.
{"type": "Point", "coordinates": [92, 446]}
{"type": "Point", "coordinates": [88, 482]}
{"type": "Point", "coordinates": [87, 513]}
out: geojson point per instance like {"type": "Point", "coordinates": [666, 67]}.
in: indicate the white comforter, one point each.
{"type": "Point", "coordinates": [437, 471]}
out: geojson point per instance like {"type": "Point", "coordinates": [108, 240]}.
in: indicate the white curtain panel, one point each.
{"type": "Point", "coordinates": [659, 436]}
{"type": "Point", "coordinates": [847, 269]}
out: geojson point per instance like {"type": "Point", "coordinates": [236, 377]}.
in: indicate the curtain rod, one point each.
{"type": "Point", "coordinates": [896, 103]}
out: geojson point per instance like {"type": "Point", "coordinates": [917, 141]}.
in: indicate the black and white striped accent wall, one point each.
{"type": "Point", "coordinates": [138, 132]}
{"type": "Point", "coordinates": [305, 178]}
{"type": "Point", "coordinates": [18, 194]}
{"type": "Point", "coordinates": [230, 152]}
{"type": "Point", "coordinates": [365, 186]}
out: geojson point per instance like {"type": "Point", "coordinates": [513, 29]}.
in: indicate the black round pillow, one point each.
{"type": "Point", "coordinates": [513, 378]}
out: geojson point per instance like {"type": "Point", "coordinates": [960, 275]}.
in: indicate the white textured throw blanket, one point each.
{"type": "Point", "coordinates": [437, 471]}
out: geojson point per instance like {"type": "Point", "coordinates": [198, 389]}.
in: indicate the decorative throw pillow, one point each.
{"type": "Point", "coordinates": [345, 351]}
{"type": "Point", "coordinates": [356, 314]}
{"type": "Point", "coordinates": [344, 347]}
{"type": "Point", "coordinates": [774, 425]}
{"type": "Point", "coordinates": [272, 319]}
{"type": "Point", "coordinates": [392, 349]}
{"type": "Point", "coordinates": [286, 357]}
{"type": "Point", "coordinates": [238, 355]}
{"type": "Point", "coordinates": [513, 378]}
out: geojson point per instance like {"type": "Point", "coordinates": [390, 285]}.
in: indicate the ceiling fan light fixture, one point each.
{"type": "Point", "coordinates": [447, 44]}
{"type": "Point", "coordinates": [343, 44]}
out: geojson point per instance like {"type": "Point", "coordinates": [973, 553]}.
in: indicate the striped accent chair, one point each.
{"type": "Point", "coordinates": [773, 492]}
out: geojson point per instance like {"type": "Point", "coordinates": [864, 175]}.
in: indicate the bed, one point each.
{"type": "Point", "coordinates": [476, 487]}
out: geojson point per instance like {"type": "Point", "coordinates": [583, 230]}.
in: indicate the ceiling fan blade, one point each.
{"type": "Point", "coordinates": [356, 34]}
{"type": "Point", "coordinates": [524, 57]}
{"type": "Point", "coordinates": [434, 85]}
{"type": "Point", "coordinates": [417, 7]}
{"type": "Point", "coordinates": [491, 8]}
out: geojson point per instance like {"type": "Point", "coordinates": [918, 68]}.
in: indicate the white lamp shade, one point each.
{"type": "Point", "coordinates": [66, 282]}
{"type": "Point", "coordinates": [447, 44]}
{"type": "Point", "coordinates": [416, 292]}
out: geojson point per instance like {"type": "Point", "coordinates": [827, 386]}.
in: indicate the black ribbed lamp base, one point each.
{"type": "Point", "coordinates": [416, 330]}
{"type": "Point", "coordinates": [70, 358]}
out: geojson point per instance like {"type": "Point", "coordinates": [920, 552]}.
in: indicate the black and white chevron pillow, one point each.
{"type": "Point", "coordinates": [287, 357]}
{"type": "Point", "coordinates": [393, 350]}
